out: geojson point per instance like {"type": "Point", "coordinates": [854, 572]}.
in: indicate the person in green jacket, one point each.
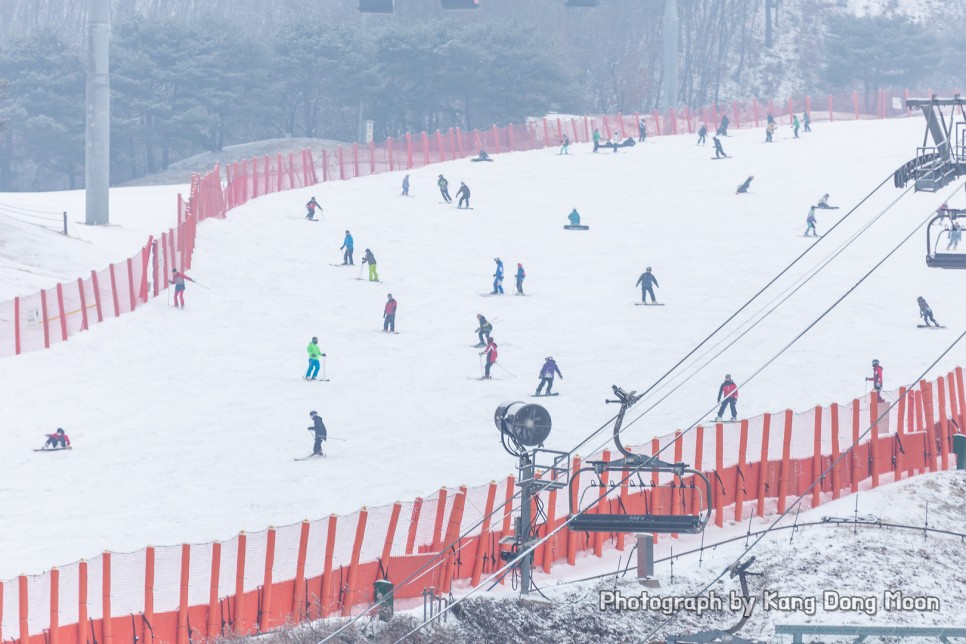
{"type": "Point", "coordinates": [795, 125]}
{"type": "Point", "coordinates": [596, 139]}
{"type": "Point", "coordinates": [314, 354]}
{"type": "Point", "coordinates": [574, 217]}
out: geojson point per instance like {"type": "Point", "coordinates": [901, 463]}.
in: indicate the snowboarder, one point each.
{"type": "Point", "coordinates": [743, 188]}
{"type": "Point", "coordinates": [769, 132]}
{"type": "Point", "coordinates": [642, 131]}
{"type": "Point", "coordinates": [389, 315]}
{"type": "Point", "coordinates": [490, 352]}
{"type": "Point", "coordinates": [498, 277]}
{"type": "Point", "coordinates": [823, 203]}
{"type": "Point", "coordinates": [464, 195]}
{"type": "Point", "coordinates": [320, 433]}
{"type": "Point", "coordinates": [57, 440]}
{"type": "Point", "coordinates": [596, 138]}
{"type": "Point", "coordinates": [314, 354]}
{"type": "Point", "coordinates": [795, 125]}
{"type": "Point", "coordinates": [646, 281]}
{"type": "Point", "coordinates": [702, 134]}
{"type": "Point", "coordinates": [564, 149]}
{"type": "Point", "coordinates": [483, 156]}
{"type": "Point", "coordinates": [719, 152]}
{"type": "Point", "coordinates": [925, 312]}
{"type": "Point", "coordinates": [723, 129]}
{"type": "Point", "coordinates": [347, 244]}
{"type": "Point", "coordinates": [876, 378]}
{"type": "Point", "coordinates": [310, 207]}
{"type": "Point", "coordinates": [444, 188]}
{"type": "Point", "coordinates": [546, 375]}
{"type": "Point", "coordinates": [483, 330]}
{"type": "Point", "coordinates": [574, 217]}
{"type": "Point", "coordinates": [178, 279]}
{"type": "Point", "coordinates": [520, 276]}
{"type": "Point", "coordinates": [955, 233]}
{"type": "Point", "coordinates": [807, 121]}
{"type": "Point", "coordinates": [810, 222]}
{"type": "Point", "coordinates": [405, 186]}
{"type": "Point", "coordinates": [729, 390]}
{"type": "Point", "coordinates": [370, 259]}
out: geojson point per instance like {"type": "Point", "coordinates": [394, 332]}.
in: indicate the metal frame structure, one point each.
{"type": "Point", "coordinates": [937, 165]}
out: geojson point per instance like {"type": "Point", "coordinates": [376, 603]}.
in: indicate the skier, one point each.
{"type": "Point", "coordinates": [645, 281]}
{"type": "Point", "coordinates": [925, 312]}
{"type": "Point", "coordinates": [490, 352]}
{"type": "Point", "coordinates": [521, 274]}
{"type": "Point", "coordinates": [876, 378]}
{"type": "Point", "coordinates": [178, 279]}
{"type": "Point", "coordinates": [566, 144]}
{"type": "Point", "coordinates": [810, 222]}
{"type": "Point", "coordinates": [723, 129]}
{"type": "Point", "coordinates": [546, 375]}
{"type": "Point", "coordinates": [498, 277]}
{"type": "Point", "coordinates": [729, 390]}
{"type": "Point", "coordinates": [483, 156]}
{"type": "Point", "coordinates": [370, 259]}
{"type": "Point", "coordinates": [719, 152]}
{"type": "Point", "coordinates": [770, 118]}
{"type": "Point", "coordinates": [574, 217]}
{"type": "Point", "coordinates": [464, 195]}
{"type": "Point", "coordinates": [955, 233]}
{"type": "Point", "coordinates": [807, 121]}
{"type": "Point", "coordinates": [320, 433]}
{"type": "Point", "coordinates": [769, 131]}
{"type": "Point", "coordinates": [702, 134]}
{"type": "Point", "coordinates": [483, 330]}
{"type": "Point", "coordinates": [444, 188]}
{"type": "Point", "coordinates": [823, 203]}
{"type": "Point", "coordinates": [57, 440]}
{"type": "Point", "coordinates": [795, 125]}
{"type": "Point", "coordinates": [405, 186]}
{"type": "Point", "coordinates": [596, 138]}
{"type": "Point", "coordinates": [743, 188]}
{"type": "Point", "coordinates": [642, 131]}
{"type": "Point", "coordinates": [389, 315]}
{"type": "Point", "coordinates": [311, 206]}
{"type": "Point", "coordinates": [347, 244]}
{"type": "Point", "coordinates": [314, 354]}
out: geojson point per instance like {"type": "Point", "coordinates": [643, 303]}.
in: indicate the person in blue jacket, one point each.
{"type": "Point", "coordinates": [521, 275]}
{"type": "Point", "coordinates": [405, 186]}
{"type": "Point", "coordinates": [347, 245]}
{"type": "Point", "coordinates": [546, 375]}
{"type": "Point", "coordinates": [498, 277]}
{"type": "Point", "coordinates": [574, 217]}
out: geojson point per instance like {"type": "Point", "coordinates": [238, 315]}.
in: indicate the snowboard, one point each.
{"type": "Point", "coordinates": [307, 219]}
{"type": "Point", "coordinates": [815, 236]}
{"type": "Point", "coordinates": [929, 326]}
{"type": "Point", "coordinates": [651, 304]}
{"type": "Point", "coordinates": [310, 456]}
{"type": "Point", "coordinates": [52, 449]}
{"type": "Point", "coordinates": [543, 395]}
{"type": "Point", "coordinates": [718, 158]}
{"type": "Point", "coordinates": [568, 227]}
{"type": "Point", "coordinates": [458, 208]}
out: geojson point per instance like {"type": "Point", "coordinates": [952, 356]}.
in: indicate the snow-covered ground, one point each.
{"type": "Point", "coordinates": [185, 423]}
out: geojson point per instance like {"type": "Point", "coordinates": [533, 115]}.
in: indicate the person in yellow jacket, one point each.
{"type": "Point", "coordinates": [314, 354]}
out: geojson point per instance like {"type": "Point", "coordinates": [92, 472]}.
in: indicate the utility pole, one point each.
{"type": "Point", "coordinates": [669, 86]}
{"type": "Point", "coordinates": [528, 489]}
{"type": "Point", "coordinates": [97, 157]}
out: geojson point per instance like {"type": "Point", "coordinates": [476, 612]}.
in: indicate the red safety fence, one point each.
{"type": "Point", "coordinates": [327, 567]}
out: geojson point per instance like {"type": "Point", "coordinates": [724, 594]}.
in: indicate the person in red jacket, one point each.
{"type": "Point", "coordinates": [876, 378]}
{"type": "Point", "coordinates": [178, 279]}
{"type": "Point", "coordinates": [57, 440]}
{"type": "Point", "coordinates": [728, 390]}
{"type": "Point", "coordinates": [389, 315]}
{"type": "Point", "coordinates": [490, 352]}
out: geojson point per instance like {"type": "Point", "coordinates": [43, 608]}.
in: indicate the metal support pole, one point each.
{"type": "Point", "coordinates": [645, 560]}
{"type": "Point", "coordinates": [65, 222]}
{"type": "Point", "coordinates": [97, 159]}
{"type": "Point", "coordinates": [669, 84]}
{"type": "Point", "coordinates": [523, 531]}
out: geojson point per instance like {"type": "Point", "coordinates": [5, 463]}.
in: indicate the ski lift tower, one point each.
{"type": "Point", "coordinates": [941, 163]}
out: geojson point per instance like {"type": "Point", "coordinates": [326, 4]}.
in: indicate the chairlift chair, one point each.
{"type": "Point", "coordinates": [947, 259]}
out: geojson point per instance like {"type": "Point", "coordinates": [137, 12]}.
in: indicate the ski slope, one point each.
{"type": "Point", "coordinates": [185, 423]}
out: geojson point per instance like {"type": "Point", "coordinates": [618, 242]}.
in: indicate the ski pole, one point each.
{"type": "Point", "coordinates": [331, 438]}
{"type": "Point", "coordinates": [504, 368]}
{"type": "Point", "coordinates": [360, 270]}
{"type": "Point", "coordinates": [323, 366]}
{"type": "Point", "coordinates": [201, 285]}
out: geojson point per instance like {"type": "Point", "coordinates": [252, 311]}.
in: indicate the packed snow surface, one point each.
{"type": "Point", "coordinates": [185, 423]}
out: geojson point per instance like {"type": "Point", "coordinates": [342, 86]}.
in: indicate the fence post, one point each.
{"type": "Point", "coordinates": [943, 424]}
{"type": "Point", "coordinates": [54, 626]}
{"type": "Point", "coordinates": [106, 634]}
{"type": "Point", "coordinates": [63, 313]}
{"type": "Point", "coordinates": [327, 600]}
{"type": "Point", "coordinates": [830, 117]}
{"type": "Point", "coordinates": [926, 389]}
{"type": "Point", "coordinates": [817, 458]}
{"type": "Point", "coordinates": [24, 604]}
{"type": "Point", "coordinates": [718, 467]}
{"type": "Point", "coordinates": [953, 404]}
{"type": "Point", "coordinates": [390, 536]}
{"type": "Point", "coordinates": [961, 396]}
{"type": "Point", "coordinates": [184, 637]}
{"type": "Point", "coordinates": [389, 152]}
{"type": "Point", "coordinates": [452, 540]}
{"type": "Point", "coordinates": [117, 304]}
{"type": "Point", "coordinates": [550, 545]}
{"type": "Point", "coordinates": [836, 478]}
{"type": "Point", "coordinates": [601, 505]}
{"type": "Point", "coordinates": [214, 623]}
{"type": "Point", "coordinates": [240, 626]}
{"type": "Point", "coordinates": [355, 159]}
{"type": "Point", "coordinates": [874, 438]}
{"type": "Point", "coordinates": [351, 589]}
{"type": "Point", "coordinates": [855, 104]}
{"type": "Point", "coordinates": [742, 461]}
{"type": "Point", "coordinates": [265, 623]}
{"type": "Point", "coordinates": [696, 498]}
{"type": "Point", "coordinates": [438, 525]}
{"type": "Point", "coordinates": [298, 597]}
{"type": "Point", "coordinates": [413, 524]}
{"type": "Point", "coordinates": [43, 311]}
{"type": "Point", "coordinates": [424, 137]}
{"type": "Point", "coordinates": [146, 635]}
{"type": "Point", "coordinates": [339, 154]}
{"type": "Point", "coordinates": [900, 424]}
{"type": "Point", "coordinates": [484, 533]}
{"type": "Point", "coordinates": [508, 505]}
{"type": "Point", "coordinates": [409, 151]}
{"type": "Point", "coordinates": [440, 153]}
{"type": "Point", "coordinates": [82, 623]}
{"type": "Point", "coordinates": [574, 492]}
{"type": "Point", "coordinates": [325, 165]}
{"type": "Point", "coordinates": [97, 297]}
{"type": "Point", "coordinates": [763, 465]}
{"type": "Point", "coordinates": [785, 471]}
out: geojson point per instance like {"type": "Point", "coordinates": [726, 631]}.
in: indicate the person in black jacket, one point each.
{"type": "Point", "coordinates": [719, 152]}
{"type": "Point", "coordinates": [702, 135]}
{"type": "Point", "coordinates": [743, 188]}
{"type": "Point", "coordinates": [320, 433]}
{"type": "Point", "coordinates": [484, 330]}
{"type": "Point", "coordinates": [723, 130]}
{"type": "Point", "coordinates": [464, 195]}
{"type": "Point", "coordinates": [925, 312]}
{"type": "Point", "coordinates": [645, 281]}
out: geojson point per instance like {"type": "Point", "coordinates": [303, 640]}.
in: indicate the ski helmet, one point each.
{"type": "Point", "coordinates": [312, 413]}
{"type": "Point", "coordinates": [648, 269]}
{"type": "Point", "coordinates": [875, 362]}
{"type": "Point", "coordinates": [60, 430]}
{"type": "Point", "coordinates": [727, 376]}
